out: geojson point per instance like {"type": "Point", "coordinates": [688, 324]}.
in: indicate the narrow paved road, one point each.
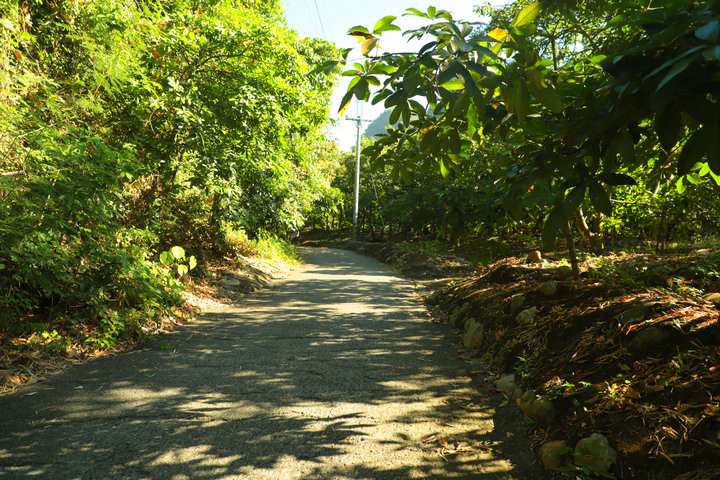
{"type": "Point", "coordinates": [334, 373]}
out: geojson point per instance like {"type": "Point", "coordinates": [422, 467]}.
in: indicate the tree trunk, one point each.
{"type": "Point", "coordinates": [593, 237]}
{"type": "Point", "coordinates": [571, 252]}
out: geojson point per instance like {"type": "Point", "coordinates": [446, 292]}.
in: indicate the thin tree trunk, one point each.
{"type": "Point", "coordinates": [592, 237]}
{"type": "Point", "coordinates": [571, 252]}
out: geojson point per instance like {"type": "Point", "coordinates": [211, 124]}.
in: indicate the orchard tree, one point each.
{"type": "Point", "coordinates": [582, 126]}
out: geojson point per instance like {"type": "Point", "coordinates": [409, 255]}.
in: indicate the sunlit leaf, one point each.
{"type": "Point", "coordinates": [443, 169]}
{"type": "Point", "coordinates": [166, 258]}
{"type": "Point", "coordinates": [527, 15]}
{"type": "Point", "coordinates": [345, 103]}
{"type": "Point", "coordinates": [178, 252]}
{"type": "Point", "coordinates": [368, 46]}
{"type": "Point", "coordinates": [360, 31]}
{"type": "Point", "coordinates": [681, 187]}
{"type": "Point", "coordinates": [385, 24]}
{"type": "Point", "coordinates": [456, 84]}
{"type": "Point", "coordinates": [694, 179]}
{"type": "Point", "coordinates": [499, 34]}
{"type": "Point", "coordinates": [416, 12]}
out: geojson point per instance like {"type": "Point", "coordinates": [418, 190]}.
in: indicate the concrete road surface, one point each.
{"type": "Point", "coordinates": [335, 372]}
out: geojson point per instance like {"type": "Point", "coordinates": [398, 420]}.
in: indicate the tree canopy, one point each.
{"type": "Point", "coordinates": [622, 95]}
{"type": "Point", "coordinates": [130, 129]}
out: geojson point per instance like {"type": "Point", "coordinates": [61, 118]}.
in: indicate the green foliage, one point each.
{"type": "Point", "coordinates": [582, 471]}
{"type": "Point", "coordinates": [174, 257]}
{"type": "Point", "coordinates": [130, 133]}
{"type": "Point", "coordinates": [595, 104]}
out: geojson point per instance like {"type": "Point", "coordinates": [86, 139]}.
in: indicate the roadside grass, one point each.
{"type": "Point", "coordinates": [47, 340]}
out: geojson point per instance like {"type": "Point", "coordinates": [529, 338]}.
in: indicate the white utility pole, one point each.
{"type": "Point", "coordinates": [358, 122]}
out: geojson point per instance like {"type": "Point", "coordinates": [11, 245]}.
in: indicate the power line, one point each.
{"type": "Point", "coordinates": [311, 18]}
{"type": "Point", "coordinates": [322, 27]}
{"type": "Point", "coordinates": [330, 26]}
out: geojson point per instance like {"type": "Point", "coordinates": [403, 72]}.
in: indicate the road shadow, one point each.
{"type": "Point", "coordinates": [335, 372]}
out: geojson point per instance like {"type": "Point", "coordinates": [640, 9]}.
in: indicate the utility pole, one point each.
{"type": "Point", "coordinates": [358, 122]}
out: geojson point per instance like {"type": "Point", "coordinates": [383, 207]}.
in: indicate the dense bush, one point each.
{"type": "Point", "coordinates": [130, 129]}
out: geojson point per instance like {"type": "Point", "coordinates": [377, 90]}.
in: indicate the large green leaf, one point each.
{"type": "Point", "coordinates": [551, 229]}
{"type": "Point", "coordinates": [527, 15]}
{"type": "Point", "coordinates": [680, 66]}
{"type": "Point", "coordinates": [699, 107]}
{"type": "Point", "coordinates": [546, 95]}
{"type": "Point", "coordinates": [456, 84]}
{"type": "Point", "coordinates": [166, 258]}
{"type": "Point", "coordinates": [668, 124]}
{"type": "Point", "coordinates": [385, 24]}
{"type": "Point", "coordinates": [615, 179]}
{"type": "Point", "coordinates": [361, 89]}
{"type": "Point", "coordinates": [508, 96]}
{"type": "Point", "coordinates": [448, 70]}
{"type": "Point", "coordinates": [478, 68]}
{"type": "Point", "coordinates": [692, 152]}
{"type": "Point", "coordinates": [622, 144]}
{"type": "Point", "coordinates": [178, 252]}
{"type": "Point", "coordinates": [573, 200]}
{"type": "Point", "coordinates": [600, 198]}
{"type": "Point", "coordinates": [460, 46]}
{"type": "Point", "coordinates": [522, 101]}
{"type": "Point", "coordinates": [712, 146]}
{"type": "Point", "coordinates": [710, 31]}
{"type": "Point", "coordinates": [460, 106]}
{"type": "Point", "coordinates": [395, 114]}
{"type": "Point", "coordinates": [443, 169]}
{"type": "Point", "coordinates": [345, 102]}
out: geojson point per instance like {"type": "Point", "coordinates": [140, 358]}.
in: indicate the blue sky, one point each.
{"type": "Point", "coordinates": [331, 19]}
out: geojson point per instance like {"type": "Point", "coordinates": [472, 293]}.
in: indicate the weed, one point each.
{"type": "Point", "coordinates": [522, 369]}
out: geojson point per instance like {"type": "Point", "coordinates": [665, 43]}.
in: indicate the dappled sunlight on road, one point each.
{"type": "Point", "coordinates": [332, 374]}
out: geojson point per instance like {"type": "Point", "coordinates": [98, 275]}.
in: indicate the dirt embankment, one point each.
{"type": "Point", "coordinates": [618, 373]}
